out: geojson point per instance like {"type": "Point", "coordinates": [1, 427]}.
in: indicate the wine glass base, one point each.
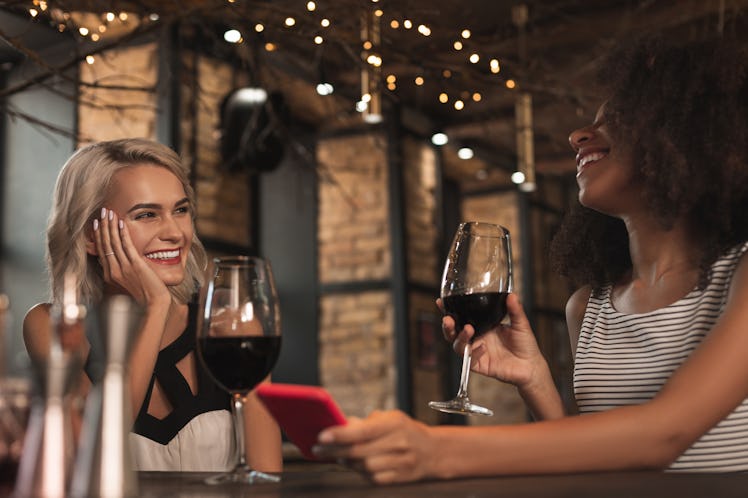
{"type": "Point", "coordinates": [244, 475]}
{"type": "Point", "coordinates": [460, 406]}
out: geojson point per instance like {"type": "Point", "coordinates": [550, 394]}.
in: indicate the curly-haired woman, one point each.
{"type": "Point", "coordinates": [659, 325]}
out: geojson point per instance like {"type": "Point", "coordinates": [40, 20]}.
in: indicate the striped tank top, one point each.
{"type": "Point", "coordinates": [624, 359]}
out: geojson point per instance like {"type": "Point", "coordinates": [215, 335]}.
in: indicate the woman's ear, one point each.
{"type": "Point", "coordinates": [90, 242]}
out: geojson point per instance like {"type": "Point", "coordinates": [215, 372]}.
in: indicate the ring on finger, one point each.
{"type": "Point", "coordinates": [108, 254]}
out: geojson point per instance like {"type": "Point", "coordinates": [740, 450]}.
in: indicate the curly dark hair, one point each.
{"type": "Point", "coordinates": [683, 111]}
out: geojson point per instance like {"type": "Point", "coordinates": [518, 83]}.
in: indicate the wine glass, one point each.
{"type": "Point", "coordinates": [239, 342]}
{"type": "Point", "coordinates": [476, 281]}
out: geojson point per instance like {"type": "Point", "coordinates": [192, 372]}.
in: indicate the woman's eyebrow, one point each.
{"type": "Point", "coordinates": [153, 205]}
{"type": "Point", "coordinates": [144, 205]}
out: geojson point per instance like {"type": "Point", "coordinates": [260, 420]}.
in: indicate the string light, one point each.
{"type": "Point", "coordinates": [90, 59]}
{"type": "Point", "coordinates": [232, 36]}
{"type": "Point", "coordinates": [374, 60]}
{"type": "Point", "coordinates": [439, 139]}
{"type": "Point", "coordinates": [325, 89]}
{"type": "Point", "coordinates": [465, 153]}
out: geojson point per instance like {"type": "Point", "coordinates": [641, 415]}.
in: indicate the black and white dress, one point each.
{"type": "Point", "coordinates": [197, 435]}
{"type": "Point", "coordinates": [625, 359]}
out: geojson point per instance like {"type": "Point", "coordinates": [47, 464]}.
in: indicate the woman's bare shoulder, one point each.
{"type": "Point", "coordinates": [575, 307]}
{"type": "Point", "coordinates": [36, 329]}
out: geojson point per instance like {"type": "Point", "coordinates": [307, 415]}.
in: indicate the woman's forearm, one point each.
{"type": "Point", "coordinates": [144, 354]}
{"type": "Point", "coordinates": [626, 438]}
{"type": "Point", "coordinates": [542, 397]}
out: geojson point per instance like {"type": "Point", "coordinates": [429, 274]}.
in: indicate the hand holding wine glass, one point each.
{"type": "Point", "coordinates": [509, 352]}
{"type": "Point", "coordinates": [239, 341]}
{"type": "Point", "coordinates": [476, 282]}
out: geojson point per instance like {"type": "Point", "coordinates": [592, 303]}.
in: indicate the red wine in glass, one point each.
{"type": "Point", "coordinates": [482, 310]}
{"type": "Point", "coordinates": [239, 342]}
{"type": "Point", "coordinates": [476, 282]}
{"type": "Point", "coordinates": [238, 364]}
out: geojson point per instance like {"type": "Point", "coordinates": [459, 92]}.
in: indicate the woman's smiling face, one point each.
{"type": "Point", "coordinates": [605, 169]}
{"type": "Point", "coordinates": [152, 203]}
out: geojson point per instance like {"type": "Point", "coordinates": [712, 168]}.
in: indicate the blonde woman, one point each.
{"type": "Point", "coordinates": [122, 221]}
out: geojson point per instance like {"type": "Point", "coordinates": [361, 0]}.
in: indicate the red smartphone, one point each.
{"type": "Point", "coordinates": [301, 411]}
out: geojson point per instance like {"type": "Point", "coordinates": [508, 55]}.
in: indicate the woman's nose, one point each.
{"type": "Point", "coordinates": [579, 136]}
{"type": "Point", "coordinates": [170, 229]}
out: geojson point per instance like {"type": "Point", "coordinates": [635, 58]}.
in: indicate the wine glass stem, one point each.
{"type": "Point", "coordinates": [465, 374]}
{"type": "Point", "coordinates": [238, 413]}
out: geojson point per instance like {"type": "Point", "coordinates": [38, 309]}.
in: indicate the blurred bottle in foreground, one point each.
{"type": "Point", "coordinates": [49, 446]}
{"type": "Point", "coordinates": [14, 405]}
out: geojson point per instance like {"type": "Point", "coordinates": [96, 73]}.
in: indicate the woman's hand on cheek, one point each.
{"type": "Point", "coordinates": [123, 266]}
{"type": "Point", "coordinates": [387, 447]}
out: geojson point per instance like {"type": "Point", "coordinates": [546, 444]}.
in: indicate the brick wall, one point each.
{"type": "Point", "coordinates": [223, 198]}
{"type": "Point", "coordinates": [355, 327]}
{"type": "Point", "coordinates": [502, 209]}
{"type": "Point", "coordinates": [428, 349]}
{"type": "Point", "coordinates": [107, 114]}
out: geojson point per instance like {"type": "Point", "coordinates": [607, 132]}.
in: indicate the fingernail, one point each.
{"type": "Point", "coordinates": [103, 213]}
{"type": "Point", "coordinates": [96, 224]}
{"type": "Point", "coordinates": [121, 224]}
{"type": "Point", "coordinates": [325, 437]}
{"type": "Point", "coordinates": [111, 214]}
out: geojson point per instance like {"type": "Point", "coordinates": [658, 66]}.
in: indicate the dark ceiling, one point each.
{"type": "Point", "coordinates": [549, 55]}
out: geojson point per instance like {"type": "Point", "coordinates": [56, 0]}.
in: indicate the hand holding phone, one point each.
{"type": "Point", "coordinates": [301, 411]}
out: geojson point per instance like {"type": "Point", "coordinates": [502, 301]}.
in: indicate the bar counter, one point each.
{"type": "Point", "coordinates": [332, 481]}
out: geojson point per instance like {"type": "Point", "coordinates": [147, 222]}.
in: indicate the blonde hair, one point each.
{"type": "Point", "coordinates": [80, 192]}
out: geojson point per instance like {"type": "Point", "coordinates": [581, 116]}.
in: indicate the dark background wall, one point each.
{"type": "Point", "coordinates": [288, 238]}
{"type": "Point", "coordinates": [30, 156]}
